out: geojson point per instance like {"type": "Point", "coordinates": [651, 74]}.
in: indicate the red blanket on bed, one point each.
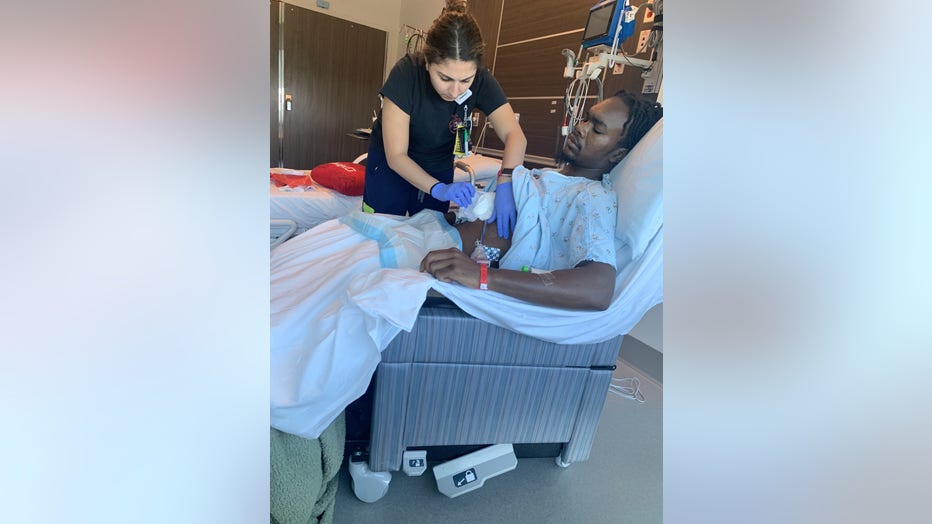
{"type": "Point", "coordinates": [291, 179]}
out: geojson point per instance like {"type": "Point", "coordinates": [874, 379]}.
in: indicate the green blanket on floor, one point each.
{"type": "Point", "coordinates": [303, 485]}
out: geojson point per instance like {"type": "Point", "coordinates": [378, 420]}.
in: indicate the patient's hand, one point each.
{"type": "Point", "coordinates": [452, 265]}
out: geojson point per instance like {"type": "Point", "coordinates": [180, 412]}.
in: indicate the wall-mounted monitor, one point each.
{"type": "Point", "coordinates": [603, 19]}
{"type": "Point", "coordinates": [606, 20]}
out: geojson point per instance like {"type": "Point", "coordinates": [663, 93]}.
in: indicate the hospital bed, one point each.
{"type": "Point", "coordinates": [488, 370]}
{"type": "Point", "coordinates": [316, 204]}
{"type": "Point", "coordinates": [457, 380]}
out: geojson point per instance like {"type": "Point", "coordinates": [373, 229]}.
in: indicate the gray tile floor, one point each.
{"type": "Point", "coordinates": [620, 483]}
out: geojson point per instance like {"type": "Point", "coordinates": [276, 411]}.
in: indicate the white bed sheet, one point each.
{"type": "Point", "coordinates": [313, 206]}
{"type": "Point", "coordinates": [334, 309]}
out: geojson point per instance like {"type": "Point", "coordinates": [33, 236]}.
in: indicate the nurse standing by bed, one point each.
{"type": "Point", "coordinates": [427, 97]}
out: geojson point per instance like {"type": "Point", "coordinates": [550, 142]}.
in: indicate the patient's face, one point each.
{"type": "Point", "coordinates": [596, 137]}
{"type": "Point", "coordinates": [451, 78]}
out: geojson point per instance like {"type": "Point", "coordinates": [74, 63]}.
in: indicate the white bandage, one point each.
{"type": "Point", "coordinates": [480, 209]}
{"type": "Point", "coordinates": [545, 276]}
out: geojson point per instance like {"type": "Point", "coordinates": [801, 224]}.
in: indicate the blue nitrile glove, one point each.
{"type": "Point", "coordinates": [459, 192]}
{"type": "Point", "coordinates": [505, 213]}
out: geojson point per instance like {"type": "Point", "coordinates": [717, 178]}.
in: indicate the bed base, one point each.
{"type": "Point", "coordinates": [456, 380]}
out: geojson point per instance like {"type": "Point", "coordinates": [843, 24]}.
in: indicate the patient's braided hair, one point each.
{"type": "Point", "coordinates": [642, 115]}
{"type": "Point", "coordinates": [455, 35]}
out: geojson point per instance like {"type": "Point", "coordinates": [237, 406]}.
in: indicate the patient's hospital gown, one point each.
{"type": "Point", "coordinates": [562, 221]}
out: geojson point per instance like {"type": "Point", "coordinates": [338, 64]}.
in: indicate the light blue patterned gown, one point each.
{"type": "Point", "coordinates": [562, 221]}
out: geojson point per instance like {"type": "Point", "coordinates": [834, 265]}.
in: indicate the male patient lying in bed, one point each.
{"type": "Point", "coordinates": [338, 299]}
{"type": "Point", "coordinates": [566, 221]}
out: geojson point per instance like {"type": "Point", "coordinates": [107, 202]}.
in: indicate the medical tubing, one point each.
{"type": "Point", "coordinates": [575, 94]}
{"type": "Point", "coordinates": [611, 61]}
{"type": "Point", "coordinates": [480, 140]}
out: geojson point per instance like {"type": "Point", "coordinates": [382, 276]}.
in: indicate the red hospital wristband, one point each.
{"type": "Point", "coordinates": [483, 276]}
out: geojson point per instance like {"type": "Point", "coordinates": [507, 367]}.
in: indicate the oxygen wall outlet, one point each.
{"type": "Point", "coordinates": [648, 15]}
{"type": "Point", "coordinates": [642, 41]}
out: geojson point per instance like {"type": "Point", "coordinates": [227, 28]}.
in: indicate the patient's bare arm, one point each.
{"type": "Point", "coordinates": [590, 285]}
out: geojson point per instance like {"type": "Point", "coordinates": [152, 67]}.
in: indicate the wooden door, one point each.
{"type": "Point", "coordinates": [333, 71]}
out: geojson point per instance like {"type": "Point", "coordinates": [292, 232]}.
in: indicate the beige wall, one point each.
{"type": "Point", "coordinates": [650, 329]}
{"type": "Point", "coordinates": [419, 14]}
{"type": "Point", "coordinates": [387, 15]}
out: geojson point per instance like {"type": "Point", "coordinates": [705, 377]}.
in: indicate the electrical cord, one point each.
{"type": "Point", "coordinates": [417, 39]}
{"type": "Point", "coordinates": [627, 388]}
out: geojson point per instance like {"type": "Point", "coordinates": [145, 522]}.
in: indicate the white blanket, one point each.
{"type": "Point", "coordinates": [334, 309]}
{"type": "Point", "coordinates": [325, 339]}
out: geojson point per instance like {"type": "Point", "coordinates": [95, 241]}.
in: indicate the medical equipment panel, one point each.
{"type": "Point", "coordinates": [603, 22]}
{"type": "Point", "coordinates": [610, 23]}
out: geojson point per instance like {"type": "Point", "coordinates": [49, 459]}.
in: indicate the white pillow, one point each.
{"type": "Point", "coordinates": [638, 182]}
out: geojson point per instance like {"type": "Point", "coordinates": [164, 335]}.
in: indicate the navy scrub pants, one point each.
{"type": "Point", "coordinates": [386, 191]}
